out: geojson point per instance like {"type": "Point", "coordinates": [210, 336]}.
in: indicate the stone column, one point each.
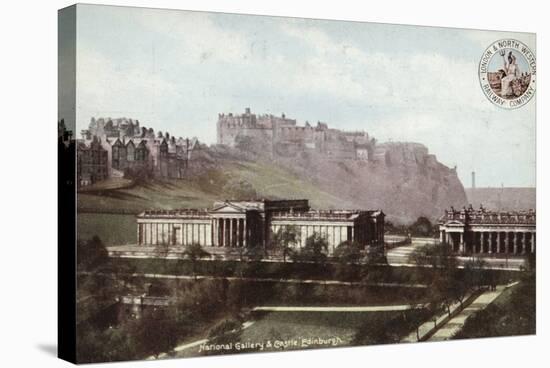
{"type": "Point", "coordinates": [491, 243]}
{"type": "Point", "coordinates": [515, 242]}
{"type": "Point", "coordinates": [230, 232]}
{"type": "Point", "coordinates": [447, 238]}
{"type": "Point", "coordinates": [217, 232]}
{"type": "Point", "coordinates": [219, 241]}
{"type": "Point", "coordinates": [241, 232]}
{"type": "Point", "coordinates": [506, 242]}
{"type": "Point", "coordinates": [482, 242]}
{"type": "Point", "coordinates": [213, 232]}
{"type": "Point", "coordinates": [223, 225]}
{"type": "Point", "coordinates": [441, 234]}
{"type": "Point", "coordinates": [524, 243]}
{"type": "Point", "coordinates": [245, 233]}
{"type": "Point", "coordinates": [237, 232]}
{"type": "Point", "coordinates": [220, 232]}
{"type": "Point", "coordinates": [461, 244]}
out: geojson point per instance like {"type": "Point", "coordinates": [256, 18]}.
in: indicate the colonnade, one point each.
{"type": "Point", "coordinates": [491, 242]}
{"type": "Point", "coordinates": [230, 232]}
{"type": "Point", "coordinates": [171, 233]}
{"type": "Point", "coordinates": [334, 234]}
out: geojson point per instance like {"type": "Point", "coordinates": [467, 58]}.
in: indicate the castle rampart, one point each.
{"type": "Point", "coordinates": [279, 135]}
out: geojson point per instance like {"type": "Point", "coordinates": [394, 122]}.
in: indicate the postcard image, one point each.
{"type": "Point", "coordinates": [247, 183]}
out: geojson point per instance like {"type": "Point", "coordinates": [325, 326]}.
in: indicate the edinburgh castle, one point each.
{"type": "Point", "coordinates": [281, 136]}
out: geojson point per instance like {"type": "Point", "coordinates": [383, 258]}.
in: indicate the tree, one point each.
{"type": "Point", "coordinates": [347, 254]}
{"type": "Point", "coordinates": [474, 273]}
{"type": "Point", "coordinates": [434, 256]}
{"type": "Point", "coordinates": [154, 333]}
{"type": "Point", "coordinates": [314, 251]}
{"type": "Point", "coordinates": [194, 253]}
{"type": "Point", "coordinates": [446, 282]}
{"type": "Point", "coordinates": [378, 330]}
{"type": "Point", "coordinates": [250, 258]}
{"type": "Point", "coordinates": [422, 227]}
{"type": "Point", "coordinates": [459, 288]}
{"type": "Point", "coordinates": [285, 239]}
{"type": "Point", "coordinates": [254, 253]}
{"type": "Point", "coordinates": [91, 254]}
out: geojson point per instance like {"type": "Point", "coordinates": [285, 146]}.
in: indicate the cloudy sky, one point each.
{"type": "Point", "coordinates": [175, 70]}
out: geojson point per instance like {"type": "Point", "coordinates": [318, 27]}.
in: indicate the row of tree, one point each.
{"type": "Point", "coordinates": [421, 227]}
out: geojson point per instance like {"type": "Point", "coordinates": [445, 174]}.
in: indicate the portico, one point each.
{"type": "Point", "coordinates": [487, 232]}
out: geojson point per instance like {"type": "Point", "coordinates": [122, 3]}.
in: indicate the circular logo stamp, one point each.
{"type": "Point", "coordinates": [508, 73]}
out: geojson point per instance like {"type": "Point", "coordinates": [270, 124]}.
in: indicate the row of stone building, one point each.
{"type": "Point", "coordinates": [470, 231]}
{"type": "Point", "coordinates": [101, 158]}
{"type": "Point", "coordinates": [235, 224]}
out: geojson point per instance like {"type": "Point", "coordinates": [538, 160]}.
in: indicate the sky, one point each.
{"type": "Point", "coordinates": [176, 70]}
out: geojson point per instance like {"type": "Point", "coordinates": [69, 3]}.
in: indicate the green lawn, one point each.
{"type": "Point", "coordinates": [283, 331]}
{"type": "Point", "coordinates": [113, 229]}
{"type": "Point", "coordinates": [300, 329]}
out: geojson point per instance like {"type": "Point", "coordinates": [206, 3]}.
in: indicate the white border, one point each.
{"type": "Point", "coordinates": [29, 67]}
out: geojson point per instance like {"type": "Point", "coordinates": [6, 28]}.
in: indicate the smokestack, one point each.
{"type": "Point", "coordinates": [473, 179]}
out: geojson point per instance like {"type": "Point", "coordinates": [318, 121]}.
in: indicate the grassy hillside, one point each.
{"type": "Point", "coordinates": [268, 181]}
{"type": "Point", "coordinates": [198, 192]}
{"type": "Point", "coordinates": [201, 191]}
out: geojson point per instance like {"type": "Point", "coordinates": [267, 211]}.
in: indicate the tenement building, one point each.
{"type": "Point", "coordinates": [92, 163]}
{"type": "Point", "coordinates": [137, 151]}
{"type": "Point", "coordinates": [471, 231]}
{"type": "Point", "coordinates": [234, 224]}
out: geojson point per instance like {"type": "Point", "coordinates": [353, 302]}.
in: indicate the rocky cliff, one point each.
{"type": "Point", "coordinates": [403, 179]}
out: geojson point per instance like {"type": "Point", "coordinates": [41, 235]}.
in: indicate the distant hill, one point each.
{"type": "Point", "coordinates": [506, 199]}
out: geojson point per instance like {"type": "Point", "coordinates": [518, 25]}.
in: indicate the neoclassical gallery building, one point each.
{"type": "Point", "coordinates": [249, 223]}
{"type": "Point", "coordinates": [481, 231]}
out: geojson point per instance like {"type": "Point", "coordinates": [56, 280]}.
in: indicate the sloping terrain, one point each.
{"type": "Point", "coordinates": [264, 180]}
{"type": "Point", "coordinates": [409, 183]}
